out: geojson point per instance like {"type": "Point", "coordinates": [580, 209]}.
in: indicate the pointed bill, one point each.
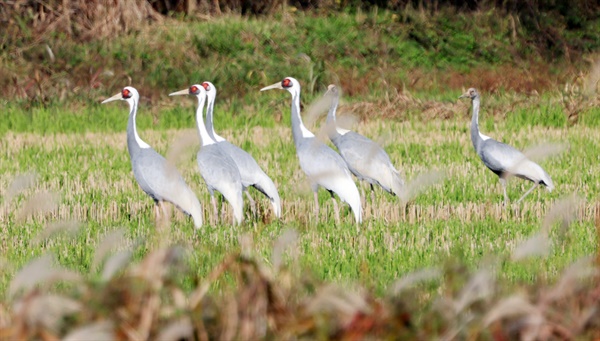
{"type": "Point", "coordinates": [466, 94]}
{"type": "Point", "coordinates": [180, 92]}
{"type": "Point", "coordinates": [272, 86]}
{"type": "Point", "coordinates": [113, 98]}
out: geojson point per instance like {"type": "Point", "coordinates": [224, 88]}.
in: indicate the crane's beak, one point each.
{"type": "Point", "coordinates": [466, 94]}
{"type": "Point", "coordinates": [272, 86]}
{"type": "Point", "coordinates": [180, 92]}
{"type": "Point", "coordinates": [113, 98]}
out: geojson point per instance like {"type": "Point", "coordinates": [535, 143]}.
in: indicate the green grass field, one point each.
{"type": "Point", "coordinates": [87, 176]}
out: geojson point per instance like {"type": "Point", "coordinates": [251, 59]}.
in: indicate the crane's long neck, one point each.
{"type": "Point", "coordinates": [205, 138]}
{"type": "Point", "coordinates": [331, 122]}
{"type": "Point", "coordinates": [299, 131]}
{"type": "Point", "coordinates": [134, 142]}
{"type": "Point", "coordinates": [476, 136]}
{"type": "Point", "coordinates": [210, 128]}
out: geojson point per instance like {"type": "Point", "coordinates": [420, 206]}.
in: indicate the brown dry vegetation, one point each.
{"type": "Point", "coordinates": [144, 301]}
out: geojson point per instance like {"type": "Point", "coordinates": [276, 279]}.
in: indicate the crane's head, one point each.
{"type": "Point", "coordinates": [290, 84]}
{"type": "Point", "coordinates": [211, 90]}
{"type": "Point", "coordinates": [128, 94]}
{"type": "Point", "coordinates": [333, 90]}
{"type": "Point", "coordinates": [471, 93]}
{"type": "Point", "coordinates": [195, 90]}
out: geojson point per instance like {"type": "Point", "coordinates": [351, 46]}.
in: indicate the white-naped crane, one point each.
{"type": "Point", "coordinates": [365, 158]}
{"type": "Point", "coordinates": [216, 167]}
{"type": "Point", "coordinates": [321, 164]}
{"type": "Point", "coordinates": [501, 158]}
{"type": "Point", "coordinates": [159, 179]}
{"type": "Point", "coordinates": [250, 172]}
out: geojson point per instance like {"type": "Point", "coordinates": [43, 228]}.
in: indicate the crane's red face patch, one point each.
{"type": "Point", "coordinates": [126, 93]}
{"type": "Point", "coordinates": [206, 86]}
{"type": "Point", "coordinates": [194, 90]}
{"type": "Point", "coordinates": [286, 83]}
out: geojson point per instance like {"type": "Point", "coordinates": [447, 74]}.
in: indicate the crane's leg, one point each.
{"type": "Point", "coordinates": [529, 191]}
{"type": "Point", "coordinates": [503, 183]}
{"type": "Point", "coordinates": [164, 210]}
{"type": "Point", "coordinates": [363, 197]}
{"type": "Point", "coordinates": [336, 209]}
{"type": "Point", "coordinates": [372, 195]}
{"type": "Point", "coordinates": [215, 210]}
{"type": "Point", "coordinates": [156, 213]}
{"type": "Point", "coordinates": [252, 203]}
{"type": "Point", "coordinates": [316, 196]}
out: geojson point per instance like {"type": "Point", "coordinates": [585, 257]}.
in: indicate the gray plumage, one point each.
{"type": "Point", "coordinates": [250, 172]}
{"type": "Point", "coordinates": [159, 179]}
{"type": "Point", "coordinates": [501, 158]}
{"type": "Point", "coordinates": [218, 170]}
{"type": "Point", "coordinates": [323, 166]}
{"type": "Point", "coordinates": [365, 158]}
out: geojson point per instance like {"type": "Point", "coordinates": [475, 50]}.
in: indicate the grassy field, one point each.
{"type": "Point", "coordinates": [85, 178]}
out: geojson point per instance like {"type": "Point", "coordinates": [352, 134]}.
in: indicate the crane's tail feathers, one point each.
{"type": "Point", "coordinates": [527, 169]}
{"type": "Point", "coordinates": [397, 184]}
{"type": "Point", "coordinates": [191, 206]}
{"type": "Point", "coordinates": [355, 205]}
{"type": "Point", "coordinates": [237, 203]}
{"type": "Point", "coordinates": [266, 186]}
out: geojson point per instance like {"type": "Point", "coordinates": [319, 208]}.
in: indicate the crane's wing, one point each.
{"type": "Point", "coordinates": [217, 169]}
{"type": "Point", "coordinates": [499, 157]}
{"type": "Point", "coordinates": [161, 180]}
{"type": "Point", "coordinates": [321, 164]}
{"type": "Point", "coordinates": [249, 169]}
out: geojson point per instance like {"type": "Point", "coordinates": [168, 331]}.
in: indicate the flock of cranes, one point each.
{"type": "Point", "coordinates": [230, 170]}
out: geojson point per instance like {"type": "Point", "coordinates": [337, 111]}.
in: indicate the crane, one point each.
{"type": "Point", "coordinates": [217, 169]}
{"type": "Point", "coordinates": [501, 158]}
{"type": "Point", "coordinates": [250, 171]}
{"type": "Point", "coordinates": [322, 165]}
{"type": "Point", "coordinates": [365, 158]}
{"type": "Point", "coordinates": [159, 179]}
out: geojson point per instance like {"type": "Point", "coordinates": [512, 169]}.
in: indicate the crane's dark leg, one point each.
{"type": "Point", "coordinates": [529, 191]}
{"type": "Point", "coordinates": [372, 195]}
{"type": "Point", "coordinates": [252, 203]}
{"type": "Point", "coordinates": [336, 209]}
{"type": "Point", "coordinates": [503, 182]}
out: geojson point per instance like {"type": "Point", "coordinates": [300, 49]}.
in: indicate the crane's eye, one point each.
{"type": "Point", "coordinates": [206, 86]}
{"type": "Point", "coordinates": [126, 93]}
{"type": "Point", "coordinates": [286, 83]}
{"type": "Point", "coordinates": [194, 90]}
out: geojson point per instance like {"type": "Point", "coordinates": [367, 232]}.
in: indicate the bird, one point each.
{"type": "Point", "coordinates": [158, 178]}
{"type": "Point", "coordinates": [216, 167]}
{"type": "Point", "coordinates": [321, 164]}
{"type": "Point", "coordinates": [365, 158]}
{"type": "Point", "coordinates": [501, 158]}
{"type": "Point", "coordinates": [250, 171]}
